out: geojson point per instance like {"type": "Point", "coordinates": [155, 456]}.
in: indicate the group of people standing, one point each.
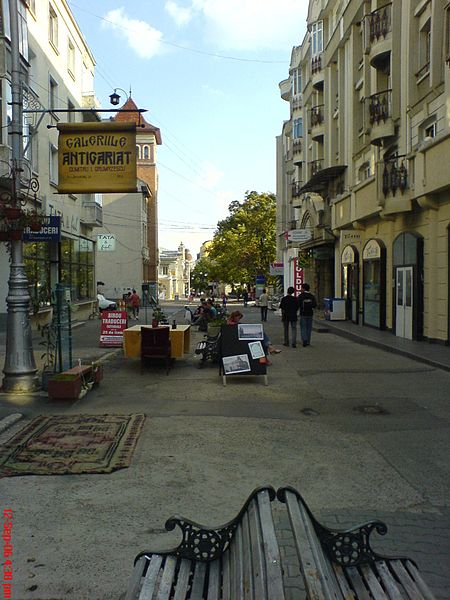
{"type": "Point", "coordinates": [290, 306]}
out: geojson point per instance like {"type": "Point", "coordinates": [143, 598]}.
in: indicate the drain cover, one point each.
{"type": "Point", "coordinates": [309, 412]}
{"type": "Point", "coordinates": [371, 409]}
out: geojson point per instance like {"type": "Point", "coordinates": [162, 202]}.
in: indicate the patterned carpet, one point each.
{"type": "Point", "coordinates": [74, 444]}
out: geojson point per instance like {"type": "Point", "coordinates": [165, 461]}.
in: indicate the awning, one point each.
{"type": "Point", "coordinates": [320, 180]}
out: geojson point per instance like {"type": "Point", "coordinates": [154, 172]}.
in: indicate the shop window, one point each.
{"type": "Point", "coordinates": [77, 267]}
{"type": "Point", "coordinates": [37, 269]}
{"type": "Point", "coordinates": [405, 249]}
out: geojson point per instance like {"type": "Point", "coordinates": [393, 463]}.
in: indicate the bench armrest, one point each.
{"type": "Point", "coordinates": [202, 542]}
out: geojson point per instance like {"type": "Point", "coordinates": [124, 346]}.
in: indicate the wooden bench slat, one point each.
{"type": "Point", "coordinates": [238, 566]}
{"type": "Point", "coordinates": [319, 578]}
{"type": "Point", "coordinates": [257, 558]}
{"type": "Point", "coordinates": [167, 577]}
{"type": "Point", "coordinates": [182, 584]}
{"type": "Point", "coordinates": [226, 591]}
{"type": "Point", "coordinates": [342, 582]}
{"type": "Point", "coordinates": [357, 583]}
{"type": "Point", "coordinates": [247, 559]}
{"type": "Point", "coordinates": [198, 581]}
{"type": "Point", "coordinates": [373, 584]}
{"type": "Point", "coordinates": [214, 580]}
{"type": "Point", "coordinates": [151, 577]}
{"type": "Point", "coordinates": [423, 587]}
{"type": "Point", "coordinates": [405, 579]}
{"type": "Point", "coordinates": [135, 583]}
{"type": "Point", "coordinates": [274, 580]}
{"type": "Point", "coordinates": [390, 584]}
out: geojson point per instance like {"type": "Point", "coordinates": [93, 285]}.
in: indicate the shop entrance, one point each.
{"type": "Point", "coordinates": [404, 302]}
{"type": "Point", "coordinates": [350, 282]}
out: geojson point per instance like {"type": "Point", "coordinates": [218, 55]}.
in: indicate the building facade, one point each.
{"type": "Point", "coordinates": [132, 219]}
{"type": "Point", "coordinates": [175, 273]}
{"type": "Point", "coordinates": [57, 73]}
{"type": "Point", "coordinates": [360, 162]}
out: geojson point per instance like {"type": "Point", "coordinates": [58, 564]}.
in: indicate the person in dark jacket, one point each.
{"type": "Point", "coordinates": [306, 303]}
{"type": "Point", "coordinates": [289, 308]}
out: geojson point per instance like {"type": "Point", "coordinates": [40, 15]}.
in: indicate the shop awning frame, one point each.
{"type": "Point", "coordinates": [320, 180]}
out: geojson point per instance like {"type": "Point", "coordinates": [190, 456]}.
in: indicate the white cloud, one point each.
{"type": "Point", "coordinates": [254, 24]}
{"type": "Point", "coordinates": [181, 15]}
{"type": "Point", "coordinates": [144, 39]}
{"type": "Point", "coordinates": [210, 177]}
{"type": "Point", "coordinates": [212, 90]}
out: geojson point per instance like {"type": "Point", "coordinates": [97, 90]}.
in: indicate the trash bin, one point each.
{"type": "Point", "coordinates": [334, 309]}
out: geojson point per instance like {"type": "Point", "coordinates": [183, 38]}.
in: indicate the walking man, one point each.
{"type": "Point", "coordinates": [264, 304]}
{"type": "Point", "coordinates": [307, 303]}
{"type": "Point", "coordinates": [289, 308]}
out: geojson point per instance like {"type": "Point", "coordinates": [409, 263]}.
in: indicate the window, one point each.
{"type": "Point", "coordinates": [447, 26]}
{"type": "Point", "coordinates": [165, 270]}
{"type": "Point", "coordinates": [298, 128]}
{"type": "Point", "coordinates": [425, 49]}
{"type": "Point", "coordinates": [52, 93]}
{"type": "Point", "coordinates": [23, 31]}
{"type": "Point", "coordinates": [70, 115]}
{"type": "Point", "coordinates": [32, 6]}
{"type": "Point", "coordinates": [138, 152]}
{"type": "Point", "coordinates": [53, 164]}
{"type": "Point", "coordinates": [37, 269]}
{"type": "Point", "coordinates": [52, 27]}
{"type": "Point", "coordinates": [30, 145]}
{"type": "Point", "coordinates": [146, 153]}
{"type": "Point", "coordinates": [6, 23]}
{"type": "Point", "coordinates": [430, 131]}
{"type": "Point", "coordinates": [317, 38]}
{"type": "Point", "coordinates": [77, 267]}
{"type": "Point", "coordinates": [71, 59]}
{"type": "Point", "coordinates": [296, 82]}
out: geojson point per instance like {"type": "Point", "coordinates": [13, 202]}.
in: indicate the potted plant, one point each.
{"type": "Point", "coordinates": [65, 385]}
{"type": "Point", "coordinates": [214, 326]}
{"type": "Point", "coordinates": [158, 317]}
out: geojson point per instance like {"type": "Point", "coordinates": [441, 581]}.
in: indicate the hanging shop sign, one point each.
{"type": "Point", "coordinates": [113, 324]}
{"type": "Point", "coordinates": [96, 157]}
{"type": "Point", "coordinates": [276, 268]}
{"type": "Point", "coordinates": [50, 231]}
{"type": "Point", "coordinates": [298, 235]}
{"type": "Point", "coordinates": [299, 277]}
{"type": "Point", "coordinates": [106, 242]}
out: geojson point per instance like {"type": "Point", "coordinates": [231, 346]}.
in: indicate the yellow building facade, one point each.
{"type": "Point", "coordinates": [369, 175]}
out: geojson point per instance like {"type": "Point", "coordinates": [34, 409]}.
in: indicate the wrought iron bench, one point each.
{"type": "Point", "coordinates": [340, 565]}
{"type": "Point", "coordinates": [238, 560]}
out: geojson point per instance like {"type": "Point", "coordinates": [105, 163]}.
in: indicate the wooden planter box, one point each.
{"type": "Point", "coordinates": [68, 387]}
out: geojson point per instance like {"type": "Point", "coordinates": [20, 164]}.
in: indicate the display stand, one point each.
{"type": "Point", "coordinates": [236, 356]}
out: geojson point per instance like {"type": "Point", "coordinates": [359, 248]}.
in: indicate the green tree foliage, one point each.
{"type": "Point", "coordinates": [244, 243]}
{"type": "Point", "coordinates": [202, 274]}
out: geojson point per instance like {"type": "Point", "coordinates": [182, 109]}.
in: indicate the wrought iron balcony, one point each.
{"type": "Point", "coordinates": [92, 214]}
{"type": "Point", "coordinates": [379, 23]}
{"type": "Point", "coordinates": [297, 145]}
{"type": "Point", "coordinates": [316, 166]}
{"type": "Point", "coordinates": [316, 64]}
{"type": "Point", "coordinates": [395, 176]}
{"type": "Point", "coordinates": [380, 107]}
{"type": "Point", "coordinates": [316, 115]}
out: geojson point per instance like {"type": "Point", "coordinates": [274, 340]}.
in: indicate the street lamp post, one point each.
{"type": "Point", "coordinates": [20, 367]}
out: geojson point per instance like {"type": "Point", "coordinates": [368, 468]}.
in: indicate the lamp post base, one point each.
{"type": "Point", "coordinates": [21, 384]}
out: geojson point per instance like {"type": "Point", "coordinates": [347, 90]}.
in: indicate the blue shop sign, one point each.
{"type": "Point", "coordinates": [260, 279]}
{"type": "Point", "coordinates": [49, 232]}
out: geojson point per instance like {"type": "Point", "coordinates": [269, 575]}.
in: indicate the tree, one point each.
{"type": "Point", "coordinates": [244, 243]}
{"type": "Point", "coordinates": [202, 275]}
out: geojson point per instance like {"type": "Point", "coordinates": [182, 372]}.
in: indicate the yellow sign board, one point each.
{"type": "Point", "coordinates": [96, 157]}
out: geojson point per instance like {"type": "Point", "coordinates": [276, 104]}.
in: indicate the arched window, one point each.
{"type": "Point", "coordinates": [146, 153]}
{"type": "Point", "coordinates": [138, 151]}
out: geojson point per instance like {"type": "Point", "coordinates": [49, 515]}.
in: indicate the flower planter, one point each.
{"type": "Point", "coordinates": [65, 386]}
{"type": "Point", "coordinates": [155, 322]}
{"type": "Point", "coordinates": [213, 330]}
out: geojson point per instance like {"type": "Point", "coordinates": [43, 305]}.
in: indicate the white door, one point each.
{"type": "Point", "coordinates": [404, 300]}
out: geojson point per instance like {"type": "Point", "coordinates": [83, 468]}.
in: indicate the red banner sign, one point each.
{"type": "Point", "coordinates": [299, 277]}
{"type": "Point", "coordinates": [113, 324]}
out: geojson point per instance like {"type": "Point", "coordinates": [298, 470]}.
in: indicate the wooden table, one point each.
{"type": "Point", "coordinates": [180, 339]}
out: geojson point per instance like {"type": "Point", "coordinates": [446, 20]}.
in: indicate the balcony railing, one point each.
{"type": "Point", "coordinates": [297, 103]}
{"type": "Point", "coordinates": [297, 145]}
{"type": "Point", "coordinates": [316, 64]}
{"type": "Point", "coordinates": [379, 23]}
{"type": "Point", "coordinates": [296, 186]}
{"type": "Point", "coordinates": [395, 176]}
{"type": "Point", "coordinates": [380, 107]}
{"type": "Point", "coordinates": [92, 214]}
{"type": "Point", "coordinates": [317, 115]}
{"type": "Point", "coordinates": [316, 166]}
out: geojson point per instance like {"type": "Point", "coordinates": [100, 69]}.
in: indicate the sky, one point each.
{"type": "Point", "coordinates": [207, 71]}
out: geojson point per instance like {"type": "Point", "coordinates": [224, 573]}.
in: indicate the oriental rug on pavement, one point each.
{"type": "Point", "coordinates": [71, 444]}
